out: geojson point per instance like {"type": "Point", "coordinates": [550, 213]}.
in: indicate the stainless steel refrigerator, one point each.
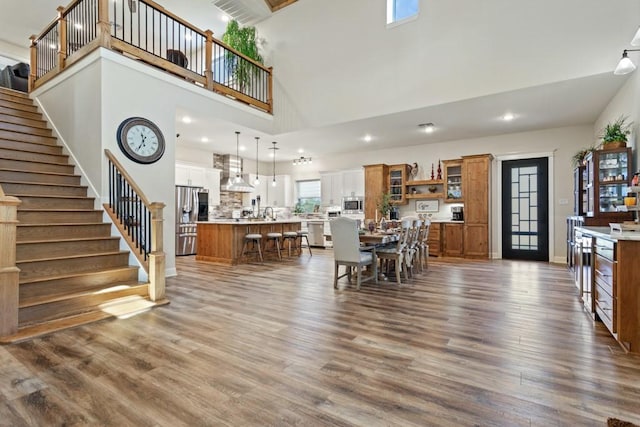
{"type": "Point", "coordinates": [191, 204]}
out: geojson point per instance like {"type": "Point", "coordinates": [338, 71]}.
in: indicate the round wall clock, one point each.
{"type": "Point", "coordinates": [140, 140]}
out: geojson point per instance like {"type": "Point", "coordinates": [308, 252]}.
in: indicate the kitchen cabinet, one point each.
{"type": "Point", "coordinates": [331, 189]}
{"type": "Point", "coordinates": [353, 183]}
{"type": "Point", "coordinates": [453, 239]}
{"type": "Point", "coordinates": [190, 175]}
{"type": "Point", "coordinates": [475, 181]}
{"type": "Point", "coordinates": [282, 194]}
{"type": "Point", "coordinates": [212, 183]}
{"type": "Point", "coordinates": [398, 177]}
{"type": "Point", "coordinates": [579, 190]}
{"type": "Point", "coordinates": [434, 239]}
{"type": "Point", "coordinates": [453, 185]}
{"type": "Point", "coordinates": [376, 183]}
{"type": "Point", "coordinates": [607, 179]}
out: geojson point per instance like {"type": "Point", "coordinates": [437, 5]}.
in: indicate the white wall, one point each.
{"type": "Point", "coordinates": [89, 101]}
{"type": "Point", "coordinates": [454, 50]}
{"type": "Point", "coordinates": [562, 142]}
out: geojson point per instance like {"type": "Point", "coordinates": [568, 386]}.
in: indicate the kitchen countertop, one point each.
{"type": "Point", "coordinates": [247, 221]}
{"type": "Point", "coordinates": [605, 232]}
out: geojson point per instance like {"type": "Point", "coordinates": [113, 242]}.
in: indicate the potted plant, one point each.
{"type": "Point", "coordinates": [615, 134]}
{"type": "Point", "coordinates": [579, 157]}
{"type": "Point", "coordinates": [242, 39]}
{"type": "Point", "coordinates": [384, 204]}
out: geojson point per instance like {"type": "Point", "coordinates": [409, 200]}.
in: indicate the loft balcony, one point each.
{"type": "Point", "coordinates": [145, 31]}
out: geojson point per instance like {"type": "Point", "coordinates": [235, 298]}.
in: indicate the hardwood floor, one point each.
{"type": "Point", "coordinates": [488, 343]}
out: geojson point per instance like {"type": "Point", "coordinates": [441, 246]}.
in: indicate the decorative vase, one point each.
{"type": "Point", "coordinates": [383, 225]}
{"type": "Point", "coordinates": [372, 227]}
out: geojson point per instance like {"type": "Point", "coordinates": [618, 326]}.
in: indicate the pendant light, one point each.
{"type": "Point", "coordinates": [274, 148]}
{"type": "Point", "coordinates": [238, 184]}
{"type": "Point", "coordinates": [625, 66]}
{"type": "Point", "coordinates": [257, 180]}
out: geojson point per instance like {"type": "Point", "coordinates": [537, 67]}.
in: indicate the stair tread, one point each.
{"type": "Point", "coordinates": [56, 224]}
{"type": "Point", "coordinates": [38, 172]}
{"type": "Point", "coordinates": [38, 330]}
{"type": "Point", "coordinates": [48, 196]}
{"type": "Point", "coordinates": [22, 150]}
{"type": "Point", "coordinates": [49, 184]}
{"type": "Point", "coordinates": [41, 162]}
{"type": "Point", "coordinates": [14, 92]}
{"type": "Point", "coordinates": [30, 302]}
{"type": "Point", "coordinates": [59, 210]}
{"type": "Point", "coordinates": [74, 239]}
{"type": "Point", "coordinates": [56, 258]}
{"type": "Point", "coordinates": [69, 275]}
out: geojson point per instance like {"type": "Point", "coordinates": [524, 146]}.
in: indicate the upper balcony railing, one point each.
{"type": "Point", "coordinates": [145, 30]}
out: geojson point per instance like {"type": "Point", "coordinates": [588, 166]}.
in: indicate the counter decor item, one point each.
{"type": "Point", "coordinates": [615, 134]}
{"type": "Point", "coordinates": [414, 171]}
{"type": "Point", "coordinates": [578, 158]}
{"type": "Point", "coordinates": [432, 175]}
{"type": "Point", "coordinates": [439, 170]}
{"type": "Point", "coordinates": [371, 226]}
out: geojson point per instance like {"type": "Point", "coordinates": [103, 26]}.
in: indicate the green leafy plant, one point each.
{"type": "Point", "coordinates": [579, 156]}
{"type": "Point", "coordinates": [618, 130]}
{"type": "Point", "coordinates": [384, 204]}
{"type": "Point", "coordinates": [242, 39]}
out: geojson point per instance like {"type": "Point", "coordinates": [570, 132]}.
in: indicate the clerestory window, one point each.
{"type": "Point", "coordinates": [400, 10]}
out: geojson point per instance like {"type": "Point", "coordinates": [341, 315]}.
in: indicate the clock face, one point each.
{"type": "Point", "coordinates": [140, 140]}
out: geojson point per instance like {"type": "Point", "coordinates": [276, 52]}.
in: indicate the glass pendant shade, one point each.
{"type": "Point", "coordinates": [625, 66]}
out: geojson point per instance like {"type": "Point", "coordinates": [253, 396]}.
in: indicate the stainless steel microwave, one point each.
{"type": "Point", "coordinates": [353, 205]}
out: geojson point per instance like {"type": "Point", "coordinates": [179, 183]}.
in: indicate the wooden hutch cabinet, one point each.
{"type": "Point", "coordinates": [453, 182]}
{"type": "Point", "coordinates": [475, 181]}
{"type": "Point", "coordinates": [376, 181]}
{"type": "Point", "coordinates": [453, 239]}
{"type": "Point", "coordinates": [398, 177]}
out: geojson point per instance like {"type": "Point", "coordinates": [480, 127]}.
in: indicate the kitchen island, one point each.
{"type": "Point", "coordinates": [220, 241]}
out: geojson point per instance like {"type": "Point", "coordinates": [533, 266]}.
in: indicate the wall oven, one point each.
{"type": "Point", "coordinates": [353, 205]}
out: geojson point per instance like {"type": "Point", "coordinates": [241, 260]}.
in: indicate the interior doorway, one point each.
{"type": "Point", "coordinates": [525, 209]}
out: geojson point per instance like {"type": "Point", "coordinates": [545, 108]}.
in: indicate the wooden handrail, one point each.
{"type": "Point", "coordinates": [242, 55]}
{"type": "Point", "coordinates": [153, 260]}
{"type": "Point", "coordinates": [128, 177]}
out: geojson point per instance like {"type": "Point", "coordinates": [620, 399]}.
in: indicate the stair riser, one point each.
{"type": "Point", "coordinates": [13, 92]}
{"type": "Point", "coordinates": [33, 202]}
{"type": "Point", "coordinates": [18, 106]}
{"type": "Point", "coordinates": [59, 217]}
{"type": "Point", "coordinates": [77, 305]}
{"type": "Point", "coordinates": [8, 144]}
{"type": "Point", "coordinates": [26, 233]}
{"type": "Point", "coordinates": [8, 175]}
{"type": "Point", "coordinates": [35, 167]}
{"type": "Point", "coordinates": [12, 127]}
{"type": "Point", "coordinates": [43, 190]}
{"type": "Point", "coordinates": [102, 279]}
{"type": "Point", "coordinates": [8, 111]}
{"type": "Point", "coordinates": [22, 121]}
{"type": "Point", "coordinates": [25, 137]}
{"type": "Point", "coordinates": [9, 154]}
{"type": "Point", "coordinates": [42, 269]}
{"type": "Point", "coordinates": [28, 251]}
{"type": "Point", "coordinates": [15, 98]}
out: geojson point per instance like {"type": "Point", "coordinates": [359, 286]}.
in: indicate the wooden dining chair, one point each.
{"type": "Point", "coordinates": [424, 246]}
{"type": "Point", "coordinates": [348, 252]}
{"type": "Point", "coordinates": [395, 253]}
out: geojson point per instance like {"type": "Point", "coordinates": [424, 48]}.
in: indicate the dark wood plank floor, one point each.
{"type": "Point", "coordinates": [488, 343]}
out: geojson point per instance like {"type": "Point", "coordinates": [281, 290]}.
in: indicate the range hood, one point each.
{"type": "Point", "coordinates": [231, 179]}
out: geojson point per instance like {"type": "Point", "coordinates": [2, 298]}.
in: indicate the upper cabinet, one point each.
{"type": "Point", "coordinates": [606, 181]}
{"type": "Point", "coordinates": [331, 188]}
{"type": "Point", "coordinates": [353, 183]}
{"type": "Point", "coordinates": [376, 182]}
{"type": "Point", "coordinates": [453, 190]}
{"type": "Point", "coordinates": [190, 175]}
{"type": "Point", "coordinates": [398, 177]}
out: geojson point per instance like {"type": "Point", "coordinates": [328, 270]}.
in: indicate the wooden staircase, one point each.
{"type": "Point", "coordinates": [72, 270]}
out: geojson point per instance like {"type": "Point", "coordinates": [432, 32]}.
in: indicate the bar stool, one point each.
{"type": "Point", "coordinates": [256, 242]}
{"type": "Point", "coordinates": [291, 237]}
{"type": "Point", "coordinates": [304, 234]}
{"type": "Point", "coordinates": [274, 238]}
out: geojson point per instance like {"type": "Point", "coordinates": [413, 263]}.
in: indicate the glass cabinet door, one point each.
{"type": "Point", "coordinates": [613, 179]}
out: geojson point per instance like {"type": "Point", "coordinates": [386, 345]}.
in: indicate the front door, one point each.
{"type": "Point", "coordinates": [525, 214]}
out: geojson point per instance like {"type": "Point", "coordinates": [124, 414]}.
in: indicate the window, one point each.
{"type": "Point", "coordinates": [308, 195]}
{"type": "Point", "coordinates": [398, 10]}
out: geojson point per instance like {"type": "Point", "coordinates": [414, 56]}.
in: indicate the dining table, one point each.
{"type": "Point", "coordinates": [379, 238]}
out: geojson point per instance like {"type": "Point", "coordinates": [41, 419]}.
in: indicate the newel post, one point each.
{"type": "Point", "coordinates": [33, 51]}
{"type": "Point", "coordinates": [156, 256]}
{"type": "Point", "coordinates": [103, 27]}
{"type": "Point", "coordinates": [62, 38]}
{"type": "Point", "coordinates": [208, 60]}
{"type": "Point", "coordinates": [9, 273]}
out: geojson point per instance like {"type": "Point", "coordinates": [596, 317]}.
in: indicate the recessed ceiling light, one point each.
{"type": "Point", "coordinates": [270, 154]}
{"type": "Point", "coordinates": [428, 127]}
{"type": "Point", "coordinates": [508, 117]}
{"type": "Point", "coordinates": [367, 138]}
{"type": "Point", "coordinates": [242, 148]}
{"type": "Point", "coordinates": [186, 119]}
{"type": "Point", "coordinates": [300, 150]}
{"type": "Point", "coordinates": [205, 139]}
{"type": "Point", "coordinates": [225, 18]}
